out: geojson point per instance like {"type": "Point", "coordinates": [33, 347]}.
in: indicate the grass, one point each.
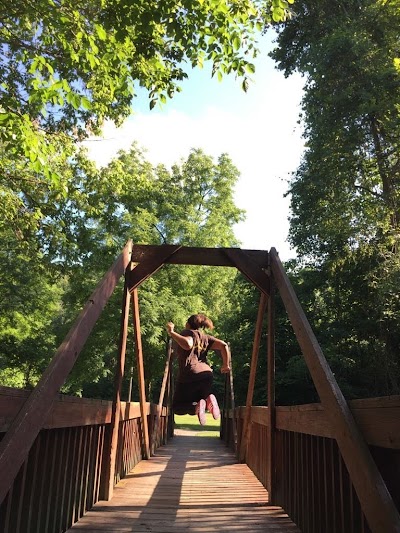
{"type": "Point", "coordinates": [210, 429]}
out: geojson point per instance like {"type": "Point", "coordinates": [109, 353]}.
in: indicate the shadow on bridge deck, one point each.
{"type": "Point", "coordinates": [193, 484]}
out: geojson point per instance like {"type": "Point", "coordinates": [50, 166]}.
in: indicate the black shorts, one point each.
{"type": "Point", "coordinates": [188, 394]}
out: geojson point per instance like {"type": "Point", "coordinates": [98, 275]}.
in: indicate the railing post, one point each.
{"type": "Point", "coordinates": [112, 441]}
{"type": "Point", "coordinates": [271, 393]}
{"type": "Point", "coordinates": [250, 391]}
{"type": "Point", "coordinates": [232, 398]}
{"type": "Point", "coordinates": [161, 398]}
{"type": "Point", "coordinates": [140, 370]}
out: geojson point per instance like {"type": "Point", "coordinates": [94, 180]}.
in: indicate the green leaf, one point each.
{"type": "Point", "coordinates": [101, 32]}
{"type": "Point", "coordinates": [86, 103]}
{"type": "Point", "coordinates": [250, 68]}
{"type": "Point", "coordinates": [236, 43]}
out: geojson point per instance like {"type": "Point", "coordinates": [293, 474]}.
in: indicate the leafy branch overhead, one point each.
{"type": "Point", "coordinates": [66, 66]}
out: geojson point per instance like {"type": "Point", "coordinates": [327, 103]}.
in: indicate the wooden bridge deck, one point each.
{"type": "Point", "coordinates": [193, 484]}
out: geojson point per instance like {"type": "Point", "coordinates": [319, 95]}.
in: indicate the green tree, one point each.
{"type": "Point", "coordinates": [192, 205]}
{"type": "Point", "coordinates": [345, 194]}
{"type": "Point", "coordinates": [66, 66]}
{"type": "Point", "coordinates": [29, 309]}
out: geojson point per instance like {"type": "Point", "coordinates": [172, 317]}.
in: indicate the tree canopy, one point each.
{"type": "Point", "coordinates": [67, 66]}
{"type": "Point", "coordinates": [345, 195]}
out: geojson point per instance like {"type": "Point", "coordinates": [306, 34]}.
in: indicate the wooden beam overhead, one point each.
{"type": "Point", "coordinates": [187, 255]}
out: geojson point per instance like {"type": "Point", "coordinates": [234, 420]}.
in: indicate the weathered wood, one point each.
{"type": "Point", "coordinates": [379, 425]}
{"type": "Point", "coordinates": [161, 397]}
{"type": "Point", "coordinates": [191, 485]}
{"type": "Point", "coordinates": [150, 265]}
{"type": "Point", "coordinates": [271, 392]}
{"type": "Point", "coordinates": [251, 270]}
{"type": "Point", "coordinates": [140, 371]}
{"type": "Point", "coordinates": [112, 443]}
{"type": "Point", "coordinates": [70, 411]}
{"type": "Point", "coordinates": [252, 378]}
{"type": "Point", "coordinates": [15, 446]}
{"type": "Point", "coordinates": [188, 255]}
{"type": "Point", "coordinates": [232, 403]}
{"type": "Point", "coordinates": [375, 499]}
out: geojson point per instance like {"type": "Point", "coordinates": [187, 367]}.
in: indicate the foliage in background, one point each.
{"type": "Point", "coordinates": [192, 204]}
{"type": "Point", "coordinates": [345, 194]}
{"type": "Point", "coordinates": [66, 66]}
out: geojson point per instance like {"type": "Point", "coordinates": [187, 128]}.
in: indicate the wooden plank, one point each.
{"type": "Point", "coordinates": [18, 440]}
{"type": "Point", "coordinates": [71, 412]}
{"type": "Point", "coordinates": [375, 499]}
{"type": "Point", "coordinates": [249, 269]}
{"type": "Point", "coordinates": [188, 255]}
{"type": "Point", "coordinates": [377, 418]}
{"type": "Point", "coordinates": [379, 426]}
{"type": "Point", "coordinates": [140, 370]}
{"type": "Point", "coordinates": [150, 265]}
{"type": "Point", "coordinates": [191, 485]}
{"type": "Point", "coordinates": [252, 378]}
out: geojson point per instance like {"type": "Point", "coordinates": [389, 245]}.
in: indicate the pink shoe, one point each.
{"type": "Point", "coordinates": [201, 411]}
{"type": "Point", "coordinates": [212, 406]}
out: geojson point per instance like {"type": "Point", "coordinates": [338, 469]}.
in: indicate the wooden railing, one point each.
{"type": "Point", "coordinates": [64, 474]}
{"type": "Point", "coordinates": [311, 481]}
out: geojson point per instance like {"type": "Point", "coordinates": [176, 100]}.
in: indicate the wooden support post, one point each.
{"type": "Point", "coordinates": [171, 388]}
{"type": "Point", "coordinates": [161, 398]}
{"type": "Point", "coordinates": [112, 445]}
{"type": "Point", "coordinates": [140, 370]}
{"type": "Point", "coordinates": [271, 393]}
{"type": "Point", "coordinates": [232, 398]}
{"type": "Point", "coordinates": [376, 501]}
{"type": "Point", "coordinates": [252, 378]}
{"type": "Point", "coordinates": [20, 436]}
{"type": "Point", "coordinates": [224, 428]}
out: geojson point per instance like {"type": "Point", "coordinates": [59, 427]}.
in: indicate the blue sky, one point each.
{"type": "Point", "coordinates": [259, 130]}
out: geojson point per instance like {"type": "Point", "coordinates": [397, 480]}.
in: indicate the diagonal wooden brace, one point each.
{"type": "Point", "coordinates": [249, 268]}
{"type": "Point", "coordinates": [150, 264]}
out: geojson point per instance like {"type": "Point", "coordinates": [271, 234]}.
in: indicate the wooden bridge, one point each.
{"type": "Point", "coordinates": [90, 465]}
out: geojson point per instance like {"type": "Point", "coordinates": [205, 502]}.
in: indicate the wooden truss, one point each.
{"type": "Point", "coordinates": [265, 271]}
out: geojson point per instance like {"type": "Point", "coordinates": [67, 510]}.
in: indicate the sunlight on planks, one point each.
{"type": "Point", "coordinates": [194, 484]}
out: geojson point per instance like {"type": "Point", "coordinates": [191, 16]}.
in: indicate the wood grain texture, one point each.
{"type": "Point", "coordinates": [188, 255]}
{"type": "Point", "coordinates": [192, 485]}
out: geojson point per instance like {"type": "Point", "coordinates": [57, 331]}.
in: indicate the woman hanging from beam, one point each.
{"type": "Point", "coordinates": [193, 391]}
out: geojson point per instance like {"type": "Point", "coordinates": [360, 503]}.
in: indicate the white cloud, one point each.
{"type": "Point", "coordinates": [260, 134]}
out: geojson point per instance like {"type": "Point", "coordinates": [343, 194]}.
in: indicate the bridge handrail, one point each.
{"type": "Point", "coordinates": [16, 444]}
{"type": "Point", "coordinates": [376, 501]}
{"type": "Point", "coordinates": [65, 473]}
{"type": "Point", "coordinates": [377, 418]}
{"type": "Point", "coordinates": [312, 482]}
{"type": "Point", "coordinates": [70, 411]}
